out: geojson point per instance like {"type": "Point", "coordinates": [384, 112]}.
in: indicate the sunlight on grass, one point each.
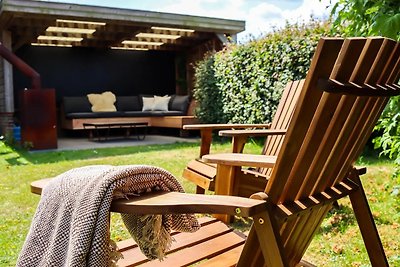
{"type": "Point", "coordinates": [337, 243]}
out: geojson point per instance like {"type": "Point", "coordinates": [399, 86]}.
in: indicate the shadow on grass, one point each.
{"type": "Point", "coordinates": [14, 161]}
{"type": "Point", "coordinates": [339, 220]}
{"type": "Point", "coordinates": [56, 156]}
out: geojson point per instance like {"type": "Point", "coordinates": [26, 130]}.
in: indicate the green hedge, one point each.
{"type": "Point", "coordinates": [243, 83]}
{"type": "Point", "coordinates": [206, 93]}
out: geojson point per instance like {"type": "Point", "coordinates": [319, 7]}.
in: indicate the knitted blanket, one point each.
{"type": "Point", "coordinates": [71, 226]}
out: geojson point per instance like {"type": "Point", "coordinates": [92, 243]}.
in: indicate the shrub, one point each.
{"type": "Point", "coordinates": [243, 83]}
{"type": "Point", "coordinates": [209, 104]}
{"type": "Point", "coordinates": [389, 127]}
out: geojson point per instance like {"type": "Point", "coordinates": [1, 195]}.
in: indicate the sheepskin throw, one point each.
{"type": "Point", "coordinates": [71, 227]}
{"type": "Point", "coordinates": [103, 102]}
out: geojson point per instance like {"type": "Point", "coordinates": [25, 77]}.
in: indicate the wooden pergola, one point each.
{"type": "Point", "coordinates": [27, 20]}
{"type": "Point", "coordinates": [40, 23]}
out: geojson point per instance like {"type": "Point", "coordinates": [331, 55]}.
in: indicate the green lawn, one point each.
{"type": "Point", "coordinates": [337, 244]}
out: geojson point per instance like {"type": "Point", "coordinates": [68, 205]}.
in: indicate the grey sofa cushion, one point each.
{"type": "Point", "coordinates": [158, 113]}
{"type": "Point", "coordinates": [179, 103]}
{"type": "Point", "coordinates": [76, 104]}
{"type": "Point", "coordinates": [127, 106]}
{"type": "Point", "coordinates": [128, 103]}
{"type": "Point", "coordinates": [136, 114]}
{"type": "Point", "coordinates": [82, 115]}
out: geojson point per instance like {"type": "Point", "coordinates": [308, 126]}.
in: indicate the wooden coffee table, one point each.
{"type": "Point", "coordinates": [101, 131]}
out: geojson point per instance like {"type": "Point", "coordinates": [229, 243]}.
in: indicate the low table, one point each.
{"type": "Point", "coordinates": [95, 129]}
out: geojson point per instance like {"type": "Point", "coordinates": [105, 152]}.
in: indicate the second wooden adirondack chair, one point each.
{"type": "Point", "coordinates": [346, 89]}
{"type": "Point", "coordinates": [247, 182]}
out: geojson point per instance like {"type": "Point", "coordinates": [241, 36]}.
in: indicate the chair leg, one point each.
{"type": "Point", "coordinates": [225, 185]}
{"type": "Point", "coordinates": [304, 263]}
{"type": "Point", "coordinates": [200, 190]}
{"type": "Point", "coordinates": [266, 233]}
{"type": "Point", "coordinates": [367, 225]}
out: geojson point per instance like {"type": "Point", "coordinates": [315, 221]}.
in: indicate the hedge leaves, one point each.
{"type": "Point", "coordinates": [243, 83]}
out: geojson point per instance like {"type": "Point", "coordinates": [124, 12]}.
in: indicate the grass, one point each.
{"type": "Point", "coordinates": [337, 243]}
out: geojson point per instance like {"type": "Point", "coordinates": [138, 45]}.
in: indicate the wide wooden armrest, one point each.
{"type": "Point", "coordinates": [223, 126]}
{"type": "Point", "coordinates": [254, 133]}
{"type": "Point", "coordinates": [206, 131]}
{"type": "Point", "coordinates": [239, 159]}
{"type": "Point", "coordinates": [177, 203]}
{"type": "Point", "coordinates": [37, 186]}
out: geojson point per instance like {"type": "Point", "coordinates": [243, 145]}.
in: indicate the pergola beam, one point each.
{"type": "Point", "coordinates": [105, 14]}
{"type": "Point", "coordinates": [29, 22]}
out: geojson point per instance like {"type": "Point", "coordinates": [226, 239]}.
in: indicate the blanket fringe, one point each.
{"type": "Point", "coordinates": [115, 255]}
{"type": "Point", "coordinates": [149, 232]}
{"type": "Point", "coordinates": [155, 237]}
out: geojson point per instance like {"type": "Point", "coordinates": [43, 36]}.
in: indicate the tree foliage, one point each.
{"type": "Point", "coordinates": [367, 17]}
{"type": "Point", "coordinates": [243, 83]}
{"type": "Point", "coordinates": [389, 124]}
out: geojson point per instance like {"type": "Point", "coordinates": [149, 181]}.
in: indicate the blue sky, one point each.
{"type": "Point", "coordinates": [260, 15]}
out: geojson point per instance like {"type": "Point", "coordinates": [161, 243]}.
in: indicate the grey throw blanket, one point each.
{"type": "Point", "coordinates": [71, 227]}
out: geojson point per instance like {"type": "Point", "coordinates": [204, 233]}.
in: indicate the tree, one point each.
{"type": "Point", "coordinates": [367, 17]}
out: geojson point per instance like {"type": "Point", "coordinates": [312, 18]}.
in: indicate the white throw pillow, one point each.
{"type": "Point", "coordinates": [161, 103]}
{"type": "Point", "coordinates": [148, 103]}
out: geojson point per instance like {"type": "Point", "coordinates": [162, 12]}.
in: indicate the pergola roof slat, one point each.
{"type": "Point", "coordinates": [104, 14]}
{"type": "Point", "coordinates": [117, 25]}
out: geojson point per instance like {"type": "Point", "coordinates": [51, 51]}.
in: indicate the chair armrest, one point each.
{"type": "Point", "coordinates": [180, 203]}
{"type": "Point", "coordinates": [207, 129]}
{"type": "Point", "coordinates": [238, 159]}
{"type": "Point", "coordinates": [177, 203]}
{"type": "Point", "coordinates": [37, 186]}
{"type": "Point", "coordinates": [223, 126]}
{"type": "Point", "coordinates": [254, 133]}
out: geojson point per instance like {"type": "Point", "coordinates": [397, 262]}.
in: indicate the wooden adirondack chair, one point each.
{"type": "Point", "coordinates": [346, 89]}
{"type": "Point", "coordinates": [203, 174]}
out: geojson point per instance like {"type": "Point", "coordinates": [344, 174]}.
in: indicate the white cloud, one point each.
{"type": "Point", "coordinates": [260, 16]}
{"type": "Point", "coordinates": [309, 8]}
{"type": "Point", "coordinates": [211, 8]}
{"type": "Point", "coordinates": [265, 11]}
{"type": "Point", "coordinates": [264, 17]}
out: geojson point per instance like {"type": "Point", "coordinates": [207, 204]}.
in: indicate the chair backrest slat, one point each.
{"type": "Point", "coordinates": [349, 151]}
{"type": "Point", "coordinates": [344, 123]}
{"type": "Point", "coordinates": [354, 124]}
{"type": "Point", "coordinates": [322, 64]}
{"type": "Point", "coordinates": [329, 129]}
{"type": "Point", "coordinates": [388, 76]}
{"type": "Point", "coordinates": [379, 66]}
{"type": "Point", "coordinates": [281, 120]}
{"type": "Point", "coordinates": [322, 132]}
{"type": "Point", "coordinates": [319, 141]}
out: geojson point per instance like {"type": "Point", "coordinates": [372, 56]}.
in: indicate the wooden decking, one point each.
{"type": "Point", "coordinates": [213, 240]}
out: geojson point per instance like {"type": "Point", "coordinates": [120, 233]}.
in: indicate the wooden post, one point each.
{"type": "Point", "coordinates": [8, 75]}
{"type": "Point", "coordinates": [206, 139]}
{"type": "Point", "coordinates": [224, 185]}
{"type": "Point", "coordinates": [6, 91]}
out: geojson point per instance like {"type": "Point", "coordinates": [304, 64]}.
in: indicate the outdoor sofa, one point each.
{"type": "Point", "coordinates": [171, 113]}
